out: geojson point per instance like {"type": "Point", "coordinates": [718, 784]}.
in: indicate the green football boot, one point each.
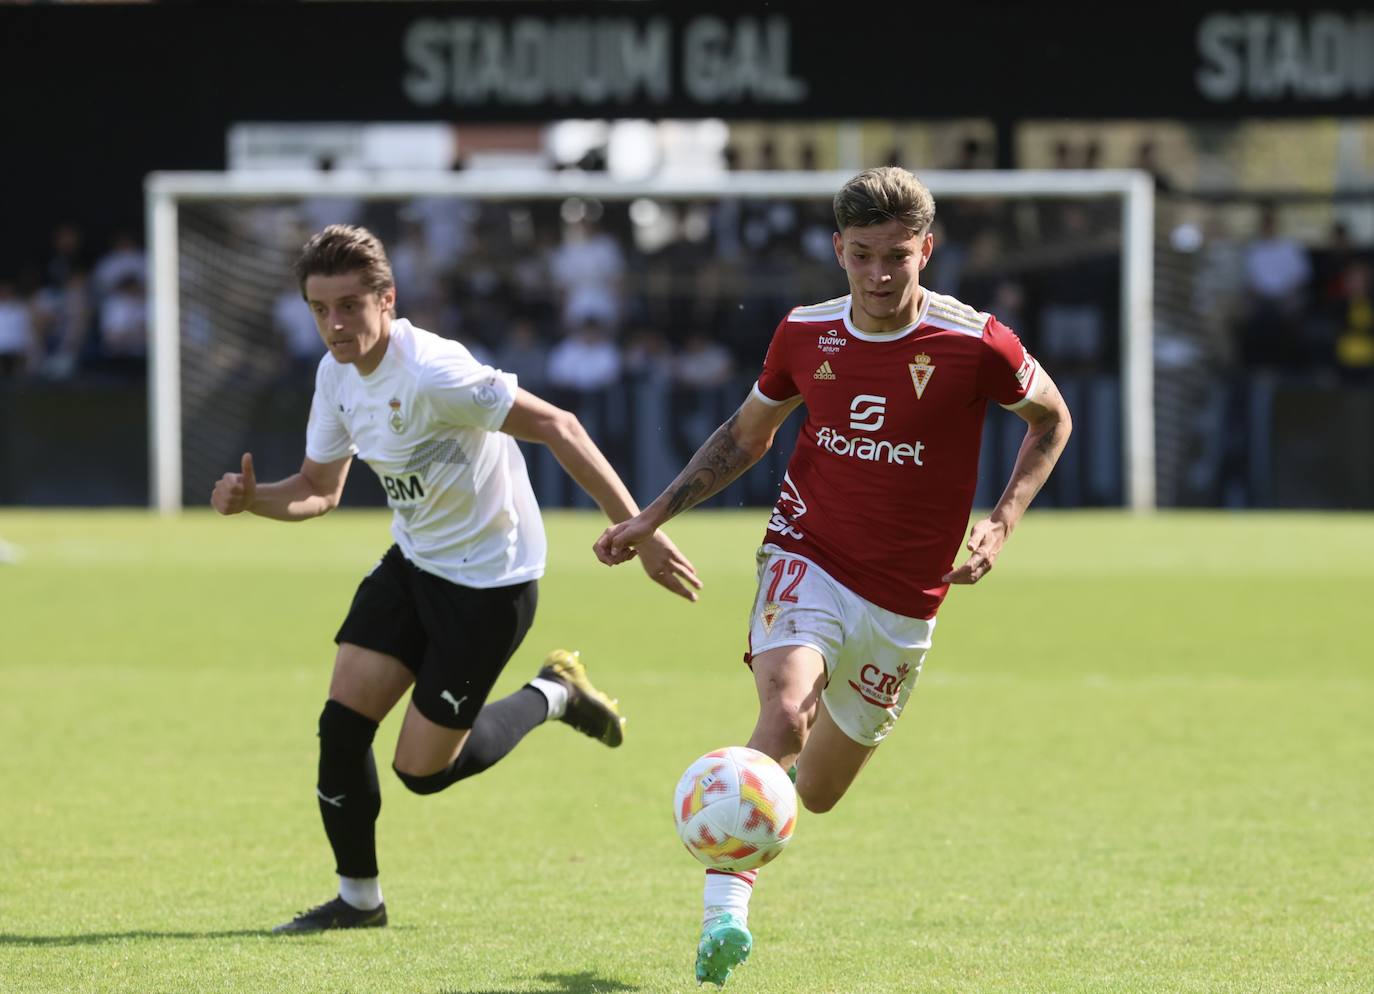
{"type": "Point", "coordinates": [725, 944]}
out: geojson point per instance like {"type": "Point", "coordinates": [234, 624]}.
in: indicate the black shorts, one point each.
{"type": "Point", "coordinates": [455, 639]}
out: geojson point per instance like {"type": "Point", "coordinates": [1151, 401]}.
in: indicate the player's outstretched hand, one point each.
{"type": "Point", "coordinates": [668, 567]}
{"type": "Point", "coordinates": [985, 541]}
{"type": "Point", "coordinates": [234, 492]}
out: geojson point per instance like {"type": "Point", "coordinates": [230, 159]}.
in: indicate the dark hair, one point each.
{"type": "Point", "coordinates": [344, 248]}
{"type": "Point", "coordinates": [888, 193]}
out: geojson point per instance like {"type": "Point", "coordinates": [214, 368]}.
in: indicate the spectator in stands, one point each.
{"type": "Point", "coordinates": [420, 274]}
{"type": "Point", "coordinates": [417, 268]}
{"type": "Point", "coordinates": [68, 254]}
{"type": "Point", "coordinates": [448, 223]}
{"type": "Point", "coordinates": [481, 290]}
{"type": "Point", "coordinates": [124, 326]}
{"type": "Point", "coordinates": [530, 281]}
{"type": "Point", "coordinates": [1331, 267]}
{"type": "Point", "coordinates": [1277, 273]}
{"type": "Point", "coordinates": [64, 315]}
{"type": "Point", "coordinates": [1217, 474]}
{"type": "Point", "coordinates": [971, 155]}
{"type": "Point", "coordinates": [294, 325]}
{"type": "Point", "coordinates": [587, 268]}
{"type": "Point", "coordinates": [1073, 313]}
{"type": "Point", "coordinates": [1355, 321]}
{"type": "Point", "coordinates": [523, 353]}
{"type": "Point", "coordinates": [1008, 302]}
{"type": "Point", "coordinates": [18, 341]}
{"type": "Point", "coordinates": [586, 359]}
{"type": "Point", "coordinates": [702, 363]}
{"type": "Point", "coordinates": [944, 275]}
{"type": "Point", "coordinates": [124, 260]}
{"type": "Point", "coordinates": [1219, 287]}
{"type": "Point", "coordinates": [649, 356]}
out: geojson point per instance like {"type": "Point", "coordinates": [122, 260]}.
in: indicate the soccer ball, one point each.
{"type": "Point", "coordinates": [735, 809]}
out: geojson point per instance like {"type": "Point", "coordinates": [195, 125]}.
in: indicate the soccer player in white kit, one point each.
{"type": "Point", "coordinates": [451, 600]}
{"type": "Point", "coordinates": [859, 550]}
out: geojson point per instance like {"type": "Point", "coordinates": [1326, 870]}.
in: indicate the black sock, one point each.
{"type": "Point", "coordinates": [349, 795]}
{"type": "Point", "coordinates": [498, 729]}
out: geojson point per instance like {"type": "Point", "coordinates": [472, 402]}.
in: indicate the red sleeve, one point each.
{"type": "Point", "coordinates": [775, 382]}
{"type": "Point", "coordinates": [1006, 371]}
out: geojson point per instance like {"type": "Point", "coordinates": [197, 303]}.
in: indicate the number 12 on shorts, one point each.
{"type": "Point", "coordinates": [795, 568]}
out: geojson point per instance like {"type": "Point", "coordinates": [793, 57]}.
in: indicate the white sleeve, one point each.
{"type": "Point", "coordinates": [465, 393]}
{"type": "Point", "coordinates": [326, 435]}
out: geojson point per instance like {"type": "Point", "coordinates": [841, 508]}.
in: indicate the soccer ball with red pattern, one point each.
{"type": "Point", "coordinates": [735, 809]}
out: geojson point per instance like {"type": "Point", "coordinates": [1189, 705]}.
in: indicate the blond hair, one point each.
{"type": "Point", "coordinates": [887, 193]}
{"type": "Point", "coordinates": [345, 248]}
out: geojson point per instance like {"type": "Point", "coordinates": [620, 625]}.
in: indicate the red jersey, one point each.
{"type": "Point", "coordinates": [880, 485]}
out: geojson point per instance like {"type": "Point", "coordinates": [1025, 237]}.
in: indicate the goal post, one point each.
{"type": "Point", "coordinates": [168, 194]}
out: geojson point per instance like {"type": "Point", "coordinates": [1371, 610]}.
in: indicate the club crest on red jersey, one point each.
{"type": "Point", "coordinates": [921, 372]}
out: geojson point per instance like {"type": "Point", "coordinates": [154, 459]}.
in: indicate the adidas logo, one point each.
{"type": "Point", "coordinates": [824, 372]}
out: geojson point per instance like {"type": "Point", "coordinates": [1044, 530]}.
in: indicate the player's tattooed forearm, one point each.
{"type": "Point", "coordinates": [1049, 441]}
{"type": "Point", "coordinates": [687, 495]}
{"type": "Point", "coordinates": [711, 469]}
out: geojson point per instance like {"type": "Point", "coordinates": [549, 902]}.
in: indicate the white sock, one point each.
{"type": "Point", "coordinates": [364, 893]}
{"type": "Point", "coordinates": [727, 892]}
{"type": "Point", "coordinates": [556, 691]}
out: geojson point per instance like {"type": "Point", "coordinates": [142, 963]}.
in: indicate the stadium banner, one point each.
{"type": "Point", "coordinates": [509, 61]}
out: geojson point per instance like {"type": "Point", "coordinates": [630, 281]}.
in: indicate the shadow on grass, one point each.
{"type": "Point", "coordinates": [98, 938]}
{"type": "Point", "coordinates": [567, 983]}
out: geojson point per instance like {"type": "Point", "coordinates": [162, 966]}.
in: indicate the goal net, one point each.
{"type": "Point", "coordinates": [697, 274]}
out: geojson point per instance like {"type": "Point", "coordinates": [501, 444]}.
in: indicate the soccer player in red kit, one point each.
{"type": "Point", "coordinates": [860, 549]}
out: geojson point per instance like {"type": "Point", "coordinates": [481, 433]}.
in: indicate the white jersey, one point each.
{"type": "Point", "coordinates": [426, 420]}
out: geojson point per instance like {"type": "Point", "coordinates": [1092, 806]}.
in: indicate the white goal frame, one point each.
{"type": "Point", "coordinates": [165, 191]}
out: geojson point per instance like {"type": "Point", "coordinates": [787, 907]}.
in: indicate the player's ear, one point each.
{"type": "Point", "coordinates": [388, 299]}
{"type": "Point", "coordinates": [927, 246]}
{"type": "Point", "coordinates": [838, 242]}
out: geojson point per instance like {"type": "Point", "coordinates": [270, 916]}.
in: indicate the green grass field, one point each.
{"type": "Point", "coordinates": [1141, 759]}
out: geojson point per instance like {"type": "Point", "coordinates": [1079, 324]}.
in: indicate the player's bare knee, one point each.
{"type": "Point", "coordinates": [815, 799]}
{"type": "Point", "coordinates": [787, 724]}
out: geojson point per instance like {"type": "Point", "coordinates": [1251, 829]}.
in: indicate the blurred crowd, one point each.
{"type": "Point", "coordinates": [578, 297]}
{"type": "Point", "coordinates": [577, 293]}
{"type": "Point", "coordinates": [78, 308]}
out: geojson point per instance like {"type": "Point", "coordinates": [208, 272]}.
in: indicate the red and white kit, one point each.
{"type": "Point", "coordinates": [880, 485]}
{"type": "Point", "coordinates": [882, 479]}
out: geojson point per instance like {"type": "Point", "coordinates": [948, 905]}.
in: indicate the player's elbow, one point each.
{"type": "Point", "coordinates": [756, 448]}
{"type": "Point", "coordinates": [321, 492]}
{"type": "Point", "coordinates": [1064, 421]}
{"type": "Point", "coordinates": [559, 429]}
{"type": "Point", "coordinates": [753, 444]}
{"type": "Point", "coordinates": [1061, 422]}
{"type": "Point", "coordinates": [1054, 426]}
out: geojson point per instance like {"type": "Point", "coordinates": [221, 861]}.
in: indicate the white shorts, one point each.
{"type": "Point", "coordinates": [872, 656]}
